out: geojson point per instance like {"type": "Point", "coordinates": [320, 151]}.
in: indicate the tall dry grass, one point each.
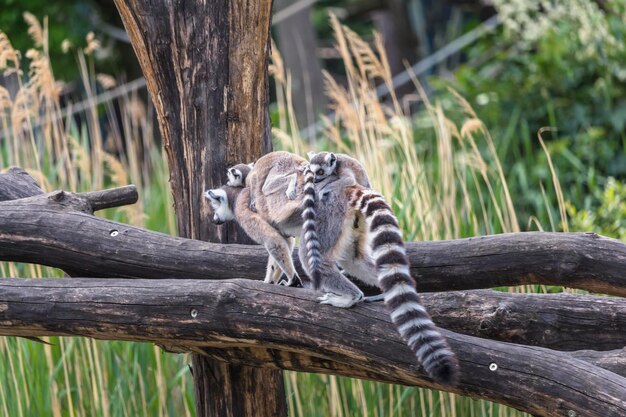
{"type": "Point", "coordinates": [442, 177]}
{"type": "Point", "coordinates": [106, 145]}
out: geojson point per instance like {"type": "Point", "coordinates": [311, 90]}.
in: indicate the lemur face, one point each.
{"type": "Point", "coordinates": [219, 203]}
{"type": "Point", "coordinates": [237, 174]}
{"type": "Point", "coordinates": [235, 177]}
{"type": "Point", "coordinates": [323, 164]}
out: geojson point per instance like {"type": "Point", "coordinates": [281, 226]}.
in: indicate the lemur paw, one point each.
{"type": "Point", "coordinates": [292, 194]}
{"type": "Point", "coordinates": [341, 301]}
{"type": "Point", "coordinates": [295, 281]}
{"type": "Point", "coordinates": [253, 206]}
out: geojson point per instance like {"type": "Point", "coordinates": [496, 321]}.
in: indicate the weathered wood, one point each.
{"type": "Point", "coordinates": [566, 322]}
{"type": "Point", "coordinates": [556, 321]}
{"type": "Point", "coordinates": [206, 67]}
{"type": "Point", "coordinates": [256, 324]}
{"type": "Point", "coordinates": [29, 233]}
{"type": "Point", "coordinates": [613, 360]}
{"type": "Point", "coordinates": [16, 183]}
{"type": "Point", "coordinates": [114, 197]}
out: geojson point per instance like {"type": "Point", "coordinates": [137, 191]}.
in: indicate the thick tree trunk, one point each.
{"type": "Point", "coordinates": [252, 323]}
{"type": "Point", "coordinates": [205, 65]}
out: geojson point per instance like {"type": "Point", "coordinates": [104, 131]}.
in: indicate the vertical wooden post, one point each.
{"type": "Point", "coordinates": [205, 65]}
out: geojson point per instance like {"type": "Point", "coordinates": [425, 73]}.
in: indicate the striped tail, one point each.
{"type": "Point", "coordinates": [310, 239]}
{"type": "Point", "coordinates": [394, 279]}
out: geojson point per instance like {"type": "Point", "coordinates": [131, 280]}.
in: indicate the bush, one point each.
{"type": "Point", "coordinates": [559, 64]}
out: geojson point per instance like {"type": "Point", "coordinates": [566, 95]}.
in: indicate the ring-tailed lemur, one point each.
{"type": "Point", "coordinates": [349, 170]}
{"type": "Point", "coordinates": [322, 165]}
{"type": "Point", "coordinates": [230, 203]}
{"type": "Point", "coordinates": [238, 173]}
{"type": "Point", "coordinates": [272, 215]}
{"type": "Point", "coordinates": [358, 230]}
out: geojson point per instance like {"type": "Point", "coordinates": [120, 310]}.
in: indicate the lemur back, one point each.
{"type": "Point", "coordinates": [268, 210]}
{"type": "Point", "coordinates": [322, 165]}
{"type": "Point", "coordinates": [365, 239]}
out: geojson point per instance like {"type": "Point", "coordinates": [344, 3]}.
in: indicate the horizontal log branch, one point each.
{"type": "Point", "coordinates": [272, 326]}
{"type": "Point", "coordinates": [60, 234]}
{"type": "Point", "coordinates": [113, 197]}
{"type": "Point", "coordinates": [557, 321]}
{"type": "Point", "coordinates": [16, 183]}
{"type": "Point", "coordinates": [613, 360]}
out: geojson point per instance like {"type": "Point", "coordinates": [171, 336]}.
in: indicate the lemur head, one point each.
{"type": "Point", "coordinates": [221, 205]}
{"type": "Point", "coordinates": [237, 174]}
{"type": "Point", "coordinates": [323, 164]}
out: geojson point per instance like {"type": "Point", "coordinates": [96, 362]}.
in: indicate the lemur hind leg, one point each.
{"type": "Point", "coordinates": [338, 290]}
{"type": "Point", "coordinates": [295, 280]}
{"type": "Point", "coordinates": [259, 230]}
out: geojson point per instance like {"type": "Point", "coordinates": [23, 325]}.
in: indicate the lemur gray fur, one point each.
{"type": "Point", "coordinates": [349, 170]}
{"type": "Point", "coordinates": [321, 166]}
{"type": "Point", "coordinates": [237, 174]}
{"type": "Point", "coordinates": [358, 230]}
{"type": "Point", "coordinates": [272, 215]}
{"type": "Point", "coordinates": [230, 203]}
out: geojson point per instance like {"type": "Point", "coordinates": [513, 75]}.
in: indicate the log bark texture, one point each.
{"type": "Point", "coordinates": [251, 323]}
{"type": "Point", "coordinates": [16, 183]}
{"type": "Point", "coordinates": [30, 233]}
{"type": "Point", "coordinates": [563, 321]}
{"type": "Point", "coordinates": [206, 67]}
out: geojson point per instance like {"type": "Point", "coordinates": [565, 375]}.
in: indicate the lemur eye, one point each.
{"type": "Point", "coordinates": [320, 172]}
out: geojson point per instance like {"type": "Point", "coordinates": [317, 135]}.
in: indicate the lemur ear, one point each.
{"type": "Point", "coordinates": [332, 158]}
{"type": "Point", "coordinates": [251, 165]}
{"type": "Point", "coordinates": [212, 195]}
{"type": "Point", "coordinates": [310, 154]}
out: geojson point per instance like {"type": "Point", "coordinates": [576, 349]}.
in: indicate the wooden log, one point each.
{"type": "Point", "coordinates": [613, 360]}
{"type": "Point", "coordinates": [557, 321]}
{"type": "Point", "coordinates": [98, 247]}
{"type": "Point", "coordinates": [29, 233]}
{"type": "Point", "coordinates": [16, 183]}
{"type": "Point", "coordinates": [114, 197]}
{"type": "Point", "coordinates": [256, 324]}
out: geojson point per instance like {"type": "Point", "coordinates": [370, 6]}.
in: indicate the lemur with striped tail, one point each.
{"type": "Point", "coordinates": [356, 228]}
{"type": "Point", "coordinates": [322, 165]}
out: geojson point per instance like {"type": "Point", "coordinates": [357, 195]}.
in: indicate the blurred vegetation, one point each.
{"type": "Point", "coordinates": [69, 21]}
{"type": "Point", "coordinates": [609, 218]}
{"type": "Point", "coordinates": [558, 64]}
{"type": "Point", "coordinates": [66, 20]}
